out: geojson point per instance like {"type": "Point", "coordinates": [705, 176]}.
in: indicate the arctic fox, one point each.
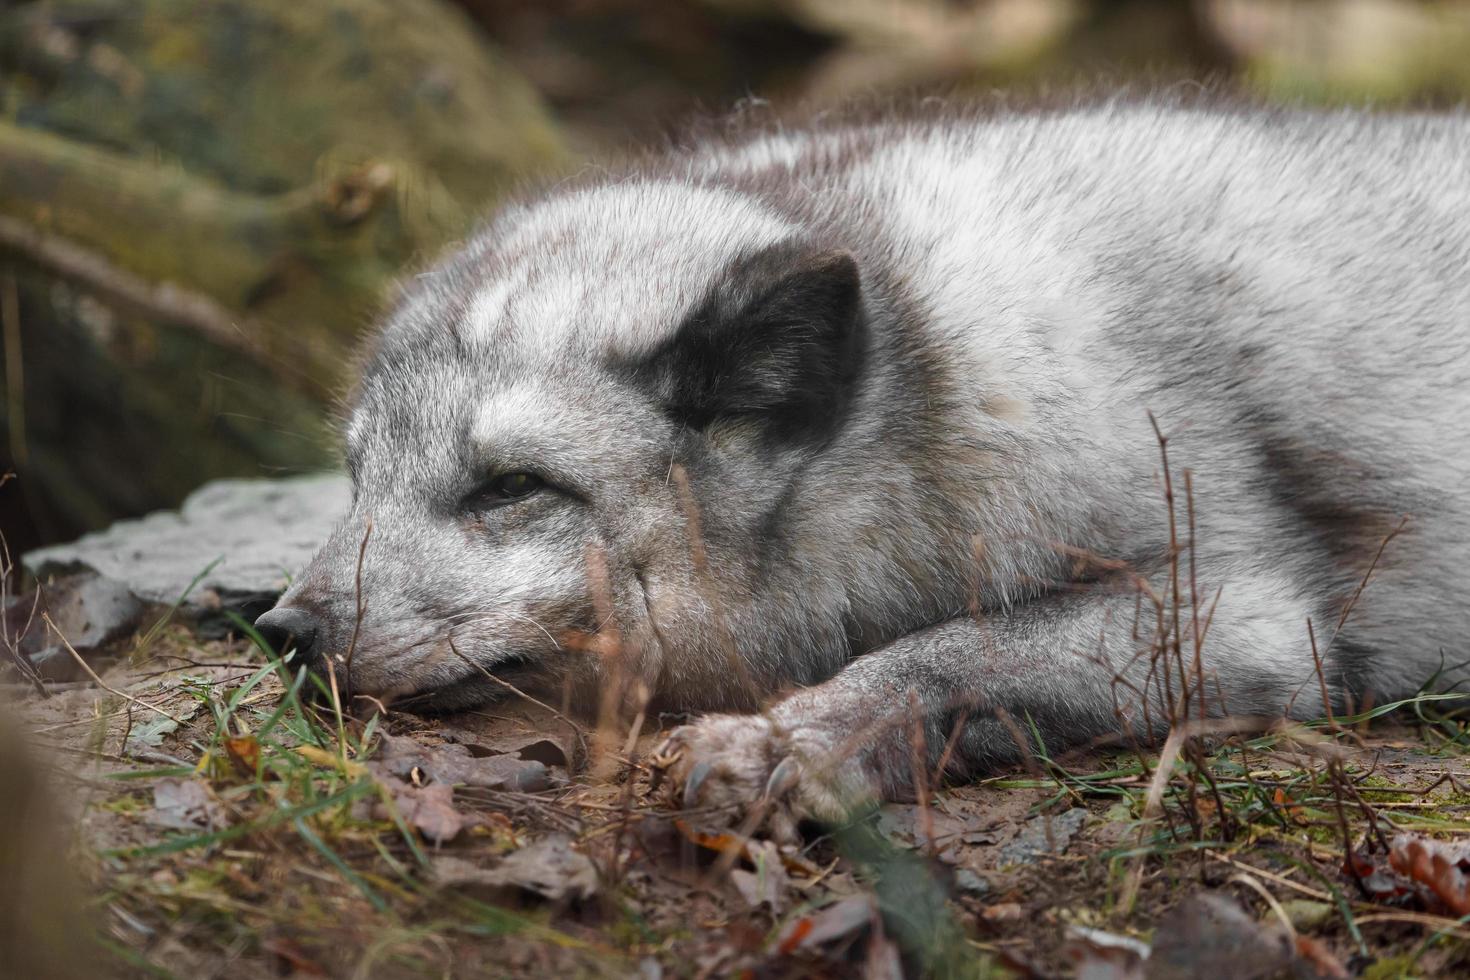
{"type": "Point", "coordinates": [849, 431]}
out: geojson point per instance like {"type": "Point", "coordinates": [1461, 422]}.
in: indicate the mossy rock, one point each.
{"type": "Point", "coordinates": [241, 182]}
{"type": "Point", "coordinates": [260, 95]}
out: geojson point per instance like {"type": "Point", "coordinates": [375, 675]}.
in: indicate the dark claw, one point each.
{"type": "Point", "coordinates": [694, 782]}
{"type": "Point", "coordinates": [783, 777]}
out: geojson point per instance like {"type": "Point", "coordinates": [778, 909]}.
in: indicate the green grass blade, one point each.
{"type": "Point", "coordinates": [352, 792]}
{"type": "Point", "coordinates": [335, 860]}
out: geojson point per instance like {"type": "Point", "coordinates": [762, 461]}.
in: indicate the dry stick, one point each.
{"type": "Point", "coordinates": [1321, 676]}
{"type": "Point", "coordinates": [1199, 669]}
{"type": "Point", "coordinates": [337, 711]}
{"type": "Point", "coordinates": [635, 729]}
{"type": "Point", "coordinates": [1151, 805]}
{"type": "Point", "coordinates": [1334, 769]}
{"type": "Point", "coordinates": [361, 606]}
{"type": "Point", "coordinates": [1143, 700]}
{"type": "Point", "coordinates": [1210, 617]}
{"type": "Point", "coordinates": [122, 745]}
{"type": "Point", "coordinates": [1159, 666]}
{"type": "Point", "coordinates": [1357, 594]}
{"type": "Point", "coordinates": [950, 745]}
{"type": "Point", "coordinates": [1369, 812]}
{"type": "Point", "coordinates": [1199, 630]}
{"type": "Point", "coordinates": [100, 682]}
{"type": "Point", "coordinates": [1272, 876]}
{"type": "Point", "coordinates": [1174, 596]}
{"type": "Point", "coordinates": [1363, 584]}
{"type": "Point", "coordinates": [1125, 721]}
{"type": "Point", "coordinates": [918, 753]}
{"type": "Point", "coordinates": [1122, 717]}
{"type": "Point", "coordinates": [12, 643]}
{"type": "Point", "coordinates": [690, 508]}
{"type": "Point", "coordinates": [22, 663]}
{"type": "Point", "coordinates": [165, 301]}
{"type": "Point", "coordinates": [1270, 900]}
{"type": "Point", "coordinates": [382, 708]}
{"type": "Point", "coordinates": [576, 729]}
{"type": "Point", "coordinates": [609, 646]}
{"type": "Point", "coordinates": [1261, 794]}
{"type": "Point", "coordinates": [1159, 657]}
{"type": "Point", "coordinates": [1452, 926]}
{"type": "Point", "coordinates": [1172, 641]}
{"type": "Point", "coordinates": [626, 803]}
{"type": "Point", "coordinates": [1024, 745]}
{"type": "Point", "coordinates": [14, 373]}
{"type": "Point", "coordinates": [1201, 772]}
{"type": "Point", "coordinates": [1448, 926]}
{"type": "Point", "coordinates": [697, 555]}
{"type": "Point", "coordinates": [1154, 800]}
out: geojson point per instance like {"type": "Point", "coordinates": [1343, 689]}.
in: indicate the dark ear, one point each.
{"type": "Point", "coordinates": [780, 337]}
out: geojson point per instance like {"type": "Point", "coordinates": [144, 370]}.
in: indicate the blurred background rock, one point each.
{"type": "Point", "coordinates": [203, 203]}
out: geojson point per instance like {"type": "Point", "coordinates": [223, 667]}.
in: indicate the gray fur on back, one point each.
{"type": "Point", "coordinates": [1288, 292]}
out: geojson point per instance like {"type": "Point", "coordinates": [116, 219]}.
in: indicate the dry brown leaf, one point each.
{"type": "Point", "coordinates": [1377, 876]}
{"type": "Point", "coordinates": [1100, 955]}
{"type": "Point", "coordinates": [293, 958]}
{"type": "Point", "coordinates": [185, 804]}
{"type": "Point", "coordinates": [1320, 958]}
{"type": "Point", "coordinates": [244, 754]}
{"type": "Point", "coordinates": [1003, 912]}
{"type": "Point", "coordinates": [723, 841]}
{"type": "Point", "coordinates": [319, 756]}
{"type": "Point", "coordinates": [429, 810]}
{"type": "Point", "coordinates": [767, 884]}
{"type": "Point", "coordinates": [454, 764]}
{"type": "Point", "coordinates": [1439, 866]}
{"type": "Point", "coordinates": [833, 922]}
{"type": "Point", "coordinates": [882, 961]}
{"type": "Point", "coordinates": [549, 867]}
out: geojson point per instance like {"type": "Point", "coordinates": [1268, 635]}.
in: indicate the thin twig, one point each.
{"type": "Point", "coordinates": [1270, 901]}
{"type": "Point", "coordinates": [361, 606]}
{"type": "Point", "coordinates": [919, 752]}
{"type": "Point", "coordinates": [100, 682]}
{"type": "Point", "coordinates": [576, 729]}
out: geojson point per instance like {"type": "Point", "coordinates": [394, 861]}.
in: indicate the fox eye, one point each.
{"type": "Point", "coordinates": [510, 487]}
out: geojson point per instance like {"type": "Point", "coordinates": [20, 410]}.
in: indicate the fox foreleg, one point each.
{"type": "Point", "coordinates": [974, 694]}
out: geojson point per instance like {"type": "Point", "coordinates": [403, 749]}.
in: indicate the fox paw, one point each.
{"type": "Point", "coordinates": [749, 771]}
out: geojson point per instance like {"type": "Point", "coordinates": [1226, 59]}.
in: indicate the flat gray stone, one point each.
{"type": "Point", "coordinates": [969, 883]}
{"type": "Point", "coordinates": [90, 611]}
{"type": "Point", "coordinates": [245, 537]}
{"type": "Point", "coordinates": [1042, 835]}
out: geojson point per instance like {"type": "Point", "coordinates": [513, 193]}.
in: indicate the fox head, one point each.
{"type": "Point", "coordinates": [575, 448]}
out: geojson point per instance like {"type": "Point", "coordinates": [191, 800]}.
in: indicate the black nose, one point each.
{"type": "Point", "coordinates": [290, 628]}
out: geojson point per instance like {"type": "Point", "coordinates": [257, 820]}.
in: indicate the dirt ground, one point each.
{"type": "Point", "coordinates": [226, 828]}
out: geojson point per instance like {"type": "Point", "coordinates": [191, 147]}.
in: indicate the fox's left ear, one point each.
{"type": "Point", "coordinates": [781, 337]}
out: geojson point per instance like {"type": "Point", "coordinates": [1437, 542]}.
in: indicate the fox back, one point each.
{"type": "Point", "coordinates": [717, 424]}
